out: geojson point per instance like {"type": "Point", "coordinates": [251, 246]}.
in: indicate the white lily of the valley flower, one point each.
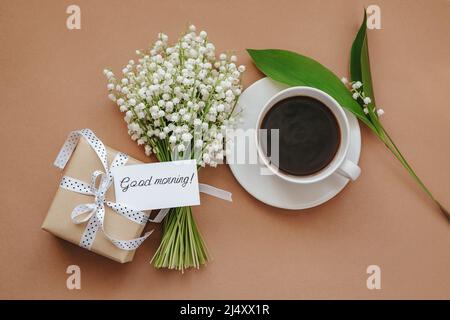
{"type": "Point", "coordinates": [171, 92]}
{"type": "Point", "coordinates": [357, 85]}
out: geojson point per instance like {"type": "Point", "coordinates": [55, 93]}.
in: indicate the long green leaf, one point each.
{"type": "Point", "coordinates": [365, 72]}
{"type": "Point", "coordinates": [360, 68]}
{"type": "Point", "coordinates": [360, 62]}
{"type": "Point", "coordinates": [297, 70]}
{"type": "Point", "coordinates": [355, 54]}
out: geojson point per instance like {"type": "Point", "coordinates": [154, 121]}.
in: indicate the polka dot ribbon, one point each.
{"type": "Point", "coordinates": [94, 213]}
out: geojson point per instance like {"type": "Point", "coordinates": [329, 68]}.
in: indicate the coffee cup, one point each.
{"type": "Point", "coordinates": [312, 127]}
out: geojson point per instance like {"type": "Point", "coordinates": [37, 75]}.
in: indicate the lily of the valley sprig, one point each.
{"type": "Point", "coordinates": [362, 91]}
{"type": "Point", "coordinates": [356, 95]}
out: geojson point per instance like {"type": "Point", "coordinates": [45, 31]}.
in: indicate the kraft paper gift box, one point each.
{"type": "Point", "coordinates": [83, 162]}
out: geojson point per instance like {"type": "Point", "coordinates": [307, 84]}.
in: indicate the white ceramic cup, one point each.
{"type": "Point", "coordinates": [339, 164]}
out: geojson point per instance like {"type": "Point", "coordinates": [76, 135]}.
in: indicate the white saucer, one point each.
{"type": "Point", "coordinates": [271, 189]}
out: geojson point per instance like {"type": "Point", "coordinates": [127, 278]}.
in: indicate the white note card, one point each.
{"type": "Point", "coordinates": [157, 185]}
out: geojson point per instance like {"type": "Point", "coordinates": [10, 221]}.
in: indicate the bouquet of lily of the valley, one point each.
{"type": "Point", "coordinates": [178, 101]}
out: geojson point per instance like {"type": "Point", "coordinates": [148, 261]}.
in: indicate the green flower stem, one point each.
{"type": "Point", "coordinates": [389, 143]}
{"type": "Point", "coordinates": [181, 245]}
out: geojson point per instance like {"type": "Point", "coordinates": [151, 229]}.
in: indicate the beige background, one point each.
{"type": "Point", "coordinates": [51, 82]}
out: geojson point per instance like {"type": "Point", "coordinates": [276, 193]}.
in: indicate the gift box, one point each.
{"type": "Point", "coordinates": [83, 210]}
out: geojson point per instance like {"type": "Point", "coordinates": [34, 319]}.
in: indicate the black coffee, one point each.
{"type": "Point", "coordinates": [309, 134]}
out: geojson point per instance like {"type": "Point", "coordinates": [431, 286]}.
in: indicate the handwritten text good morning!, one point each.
{"type": "Point", "coordinates": [157, 185]}
{"type": "Point", "coordinates": [127, 182]}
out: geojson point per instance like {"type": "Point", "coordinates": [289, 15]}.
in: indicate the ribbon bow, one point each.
{"type": "Point", "coordinates": [94, 213]}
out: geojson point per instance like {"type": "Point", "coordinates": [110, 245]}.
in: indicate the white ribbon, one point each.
{"type": "Point", "coordinates": [204, 188]}
{"type": "Point", "coordinates": [94, 213]}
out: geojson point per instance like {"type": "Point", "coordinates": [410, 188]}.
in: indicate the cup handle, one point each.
{"type": "Point", "coordinates": [349, 170]}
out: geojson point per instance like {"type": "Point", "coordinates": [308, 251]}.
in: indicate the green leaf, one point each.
{"type": "Point", "coordinates": [365, 72]}
{"type": "Point", "coordinates": [360, 62]}
{"type": "Point", "coordinates": [360, 70]}
{"type": "Point", "coordinates": [297, 70]}
{"type": "Point", "coordinates": [355, 54]}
